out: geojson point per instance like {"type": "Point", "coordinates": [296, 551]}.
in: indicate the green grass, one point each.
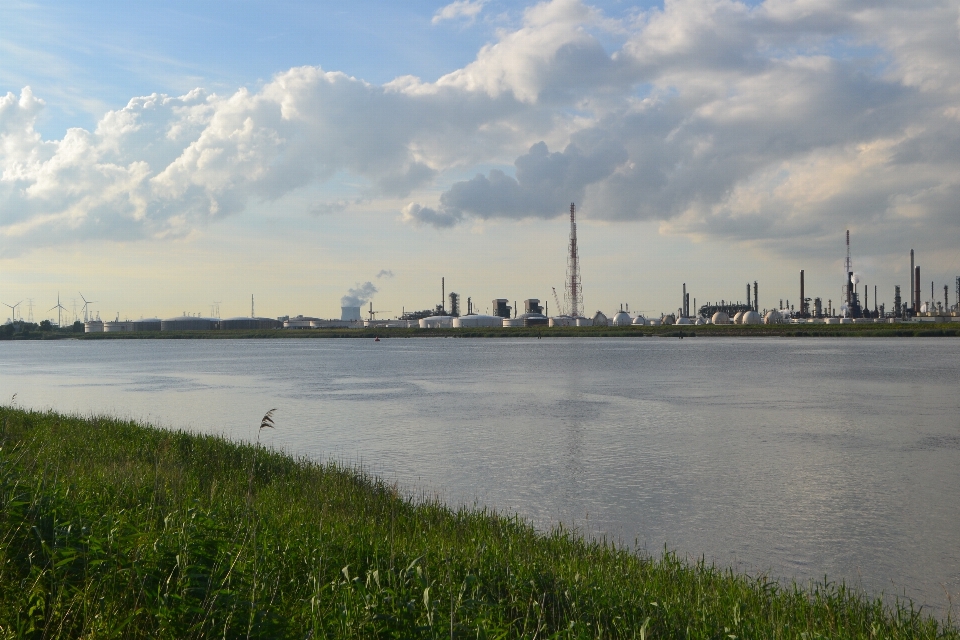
{"type": "Point", "coordinates": [115, 529]}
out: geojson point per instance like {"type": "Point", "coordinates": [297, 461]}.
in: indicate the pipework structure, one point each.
{"type": "Point", "coordinates": [573, 294]}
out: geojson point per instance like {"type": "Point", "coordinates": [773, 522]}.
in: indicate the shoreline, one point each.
{"type": "Point", "coordinates": [120, 528]}
{"type": "Point", "coordinates": [866, 330]}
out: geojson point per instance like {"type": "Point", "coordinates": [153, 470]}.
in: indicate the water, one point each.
{"type": "Point", "coordinates": [796, 457]}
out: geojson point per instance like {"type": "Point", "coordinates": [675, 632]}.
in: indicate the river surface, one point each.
{"type": "Point", "coordinates": [799, 458]}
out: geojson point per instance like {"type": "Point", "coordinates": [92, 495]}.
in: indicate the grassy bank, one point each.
{"type": "Point", "coordinates": [914, 329]}
{"type": "Point", "coordinates": [112, 529]}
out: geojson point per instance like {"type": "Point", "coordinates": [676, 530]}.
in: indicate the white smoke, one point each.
{"type": "Point", "coordinates": [359, 295]}
{"type": "Point", "coordinates": [855, 278]}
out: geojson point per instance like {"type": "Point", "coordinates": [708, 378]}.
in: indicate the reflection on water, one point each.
{"type": "Point", "coordinates": [801, 457]}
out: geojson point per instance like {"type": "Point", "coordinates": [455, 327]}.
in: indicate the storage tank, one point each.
{"type": "Point", "coordinates": [436, 322]}
{"type": "Point", "coordinates": [668, 319]}
{"type": "Point", "coordinates": [147, 324]}
{"type": "Point", "coordinates": [250, 323]}
{"type": "Point", "coordinates": [654, 322]}
{"type": "Point", "coordinates": [468, 322]}
{"type": "Point", "coordinates": [738, 317]}
{"type": "Point", "coordinates": [751, 317]}
{"type": "Point", "coordinates": [512, 322]}
{"type": "Point", "coordinates": [773, 317]}
{"type": "Point", "coordinates": [188, 323]}
{"type": "Point", "coordinates": [720, 318]}
{"type": "Point", "coordinates": [93, 326]}
{"type": "Point", "coordinates": [600, 320]}
{"type": "Point", "coordinates": [685, 321]}
{"type": "Point", "coordinates": [117, 327]}
{"type": "Point", "coordinates": [534, 320]}
{"type": "Point", "coordinates": [562, 321]}
{"type": "Point", "coordinates": [583, 322]}
{"type": "Point", "coordinates": [622, 319]}
{"type": "Point", "coordinates": [640, 321]}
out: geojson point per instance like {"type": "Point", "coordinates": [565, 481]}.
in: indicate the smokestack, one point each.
{"type": "Point", "coordinates": [803, 299]}
{"type": "Point", "coordinates": [875, 301]}
{"type": "Point", "coordinates": [916, 290]}
{"type": "Point", "coordinates": [684, 299]}
{"type": "Point", "coordinates": [748, 295]}
{"type": "Point", "coordinates": [866, 298]}
{"type": "Point", "coordinates": [443, 293]}
{"type": "Point", "coordinates": [912, 296]}
{"type": "Point", "coordinates": [756, 298]}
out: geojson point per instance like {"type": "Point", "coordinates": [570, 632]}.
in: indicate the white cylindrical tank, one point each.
{"type": "Point", "coordinates": [583, 322]}
{"type": "Point", "coordinates": [640, 321]}
{"type": "Point", "coordinates": [562, 321]}
{"type": "Point", "coordinates": [436, 322]}
{"type": "Point", "coordinates": [117, 326]}
{"type": "Point", "coordinates": [846, 320]}
{"type": "Point", "coordinates": [466, 322]}
{"type": "Point", "coordinates": [773, 317]}
{"type": "Point", "coordinates": [512, 322]}
{"type": "Point", "coordinates": [833, 321]}
{"type": "Point", "coordinates": [751, 317]}
{"type": "Point", "coordinates": [622, 319]}
{"type": "Point", "coordinates": [720, 318]}
{"type": "Point", "coordinates": [93, 326]}
{"type": "Point", "coordinates": [654, 322]}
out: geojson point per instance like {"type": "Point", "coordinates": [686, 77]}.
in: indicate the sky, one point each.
{"type": "Point", "coordinates": [162, 158]}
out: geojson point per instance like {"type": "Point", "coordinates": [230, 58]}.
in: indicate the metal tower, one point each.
{"type": "Point", "coordinates": [848, 269]}
{"type": "Point", "coordinates": [573, 295]}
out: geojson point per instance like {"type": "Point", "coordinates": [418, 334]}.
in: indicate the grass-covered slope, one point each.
{"type": "Point", "coordinates": [113, 529]}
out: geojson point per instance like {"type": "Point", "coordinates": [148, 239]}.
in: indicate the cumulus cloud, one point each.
{"type": "Point", "coordinates": [720, 119]}
{"type": "Point", "coordinates": [359, 295]}
{"type": "Point", "coordinates": [460, 9]}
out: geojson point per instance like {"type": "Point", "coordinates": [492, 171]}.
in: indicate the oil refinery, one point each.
{"type": "Point", "coordinates": [852, 304]}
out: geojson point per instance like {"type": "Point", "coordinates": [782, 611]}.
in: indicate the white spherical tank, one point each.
{"type": "Point", "coordinates": [751, 317]}
{"type": "Point", "coordinates": [668, 319]}
{"type": "Point", "coordinates": [773, 317]}
{"type": "Point", "coordinates": [738, 317]}
{"type": "Point", "coordinates": [720, 318]}
{"type": "Point", "coordinates": [684, 321]}
{"type": "Point", "coordinates": [622, 319]}
{"type": "Point", "coordinates": [640, 321]}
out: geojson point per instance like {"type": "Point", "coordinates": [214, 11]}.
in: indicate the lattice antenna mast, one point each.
{"type": "Point", "coordinates": [573, 296]}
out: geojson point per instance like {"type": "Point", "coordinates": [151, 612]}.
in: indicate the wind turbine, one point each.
{"type": "Point", "coordinates": [13, 309]}
{"type": "Point", "coordinates": [86, 303]}
{"type": "Point", "coordinates": [60, 311]}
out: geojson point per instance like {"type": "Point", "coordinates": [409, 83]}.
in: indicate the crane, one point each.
{"type": "Point", "coordinates": [373, 314]}
{"type": "Point", "coordinates": [557, 300]}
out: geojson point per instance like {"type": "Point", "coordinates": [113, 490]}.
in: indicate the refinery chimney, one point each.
{"type": "Point", "coordinates": [912, 295]}
{"type": "Point", "coordinates": [916, 290]}
{"type": "Point", "coordinates": [756, 298]}
{"type": "Point", "coordinates": [573, 293]}
{"type": "Point", "coordinates": [803, 299]}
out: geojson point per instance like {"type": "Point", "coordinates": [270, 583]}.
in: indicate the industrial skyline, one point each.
{"type": "Point", "coordinates": [297, 151]}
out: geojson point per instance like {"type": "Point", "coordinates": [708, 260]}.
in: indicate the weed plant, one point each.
{"type": "Point", "coordinates": [115, 529]}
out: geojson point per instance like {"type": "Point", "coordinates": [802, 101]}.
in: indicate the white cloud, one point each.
{"type": "Point", "coordinates": [786, 119]}
{"type": "Point", "coordinates": [460, 9]}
